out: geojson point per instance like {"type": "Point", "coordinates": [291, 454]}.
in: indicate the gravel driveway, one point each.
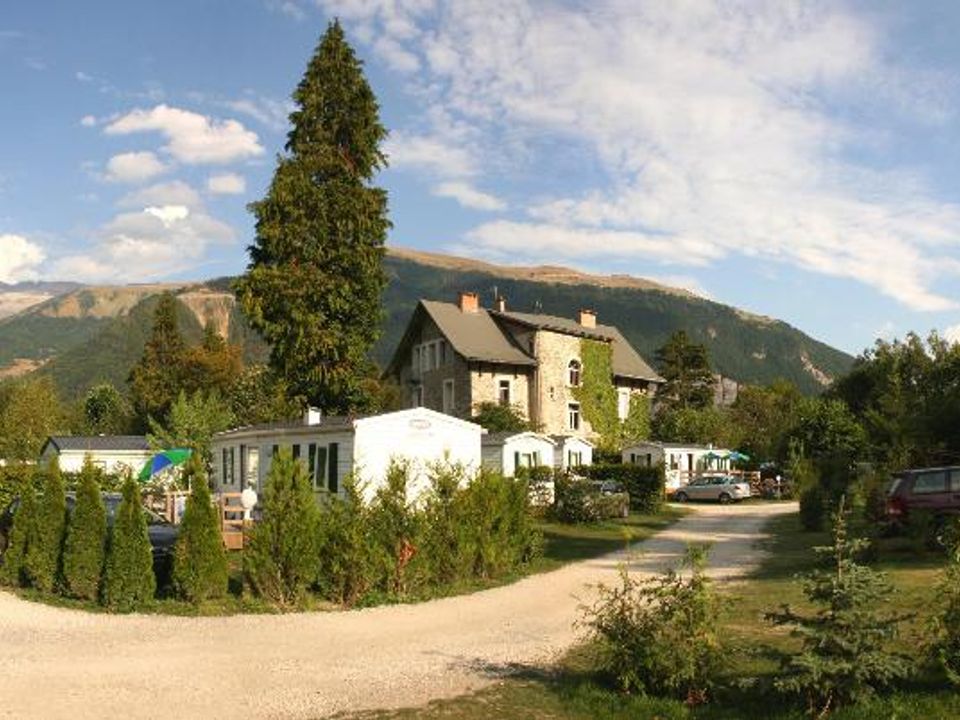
{"type": "Point", "coordinates": [57, 663]}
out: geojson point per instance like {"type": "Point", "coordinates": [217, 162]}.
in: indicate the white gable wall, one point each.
{"type": "Point", "coordinates": [110, 461]}
{"type": "Point", "coordinates": [502, 456]}
{"type": "Point", "coordinates": [573, 446]}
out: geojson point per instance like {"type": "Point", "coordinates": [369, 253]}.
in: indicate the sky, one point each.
{"type": "Point", "coordinates": [795, 159]}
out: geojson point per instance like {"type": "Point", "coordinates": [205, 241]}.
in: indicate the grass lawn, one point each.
{"type": "Point", "coordinates": [571, 691]}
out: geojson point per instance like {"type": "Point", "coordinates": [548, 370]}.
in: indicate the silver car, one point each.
{"type": "Point", "coordinates": [724, 489]}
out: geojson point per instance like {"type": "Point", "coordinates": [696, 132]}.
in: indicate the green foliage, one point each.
{"type": "Point", "coordinates": [813, 508]}
{"type": "Point", "coordinates": [596, 394]}
{"type": "Point", "coordinates": [259, 396]}
{"type": "Point", "coordinates": [106, 411]}
{"type": "Point", "coordinates": [85, 544]}
{"type": "Point", "coordinates": [644, 485]}
{"type": "Point", "coordinates": [213, 366]}
{"type": "Point", "coordinates": [13, 478]}
{"type": "Point", "coordinates": [685, 368]}
{"type": "Point", "coordinates": [280, 562]}
{"type": "Point", "coordinates": [844, 656]}
{"type": "Point", "coordinates": [762, 417]}
{"type": "Point", "coordinates": [827, 428]}
{"type": "Point", "coordinates": [578, 500]}
{"type": "Point", "coordinates": [443, 531]}
{"type": "Point", "coordinates": [499, 418]}
{"type": "Point", "coordinates": [156, 377]}
{"type": "Point", "coordinates": [42, 562]}
{"type": "Point", "coordinates": [701, 426]}
{"type": "Point", "coordinates": [30, 411]}
{"type": "Point", "coordinates": [128, 579]}
{"type": "Point", "coordinates": [199, 560]}
{"type": "Point", "coordinates": [344, 574]}
{"type": "Point", "coordinates": [394, 526]}
{"type": "Point", "coordinates": [191, 422]}
{"type": "Point", "coordinates": [658, 635]}
{"type": "Point", "coordinates": [314, 284]}
{"type": "Point", "coordinates": [23, 534]}
{"type": "Point", "coordinates": [946, 625]}
{"type": "Point", "coordinates": [637, 425]}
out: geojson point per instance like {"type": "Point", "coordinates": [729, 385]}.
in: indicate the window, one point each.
{"type": "Point", "coordinates": [424, 359]}
{"type": "Point", "coordinates": [448, 397]}
{"type": "Point", "coordinates": [333, 480]}
{"type": "Point", "coordinates": [623, 404]}
{"type": "Point", "coordinates": [574, 458]}
{"type": "Point", "coordinates": [320, 469]}
{"type": "Point", "coordinates": [930, 482]}
{"type": "Point", "coordinates": [444, 359]}
{"type": "Point", "coordinates": [226, 461]}
{"type": "Point", "coordinates": [573, 416]}
{"type": "Point", "coordinates": [503, 392]}
{"type": "Point", "coordinates": [312, 459]}
{"type": "Point", "coordinates": [296, 452]}
{"type": "Point", "coordinates": [416, 360]}
{"type": "Point", "coordinates": [434, 364]}
{"type": "Point", "coordinates": [416, 399]}
{"type": "Point", "coordinates": [573, 373]}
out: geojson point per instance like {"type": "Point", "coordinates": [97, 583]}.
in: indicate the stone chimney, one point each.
{"type": "Point", "coordinates": [312, 416]}
{"type": "Point", "coordinates": [588, 318]}
{"type": "Point", "coordinates": [500, 304]}
{"type": "Point", "coordinates": [469, 302]}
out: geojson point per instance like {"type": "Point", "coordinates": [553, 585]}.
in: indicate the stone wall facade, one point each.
{"type": "Point", "coordinates": [554, 352]}
{"type": "Point", "coordinates": [485, 382]}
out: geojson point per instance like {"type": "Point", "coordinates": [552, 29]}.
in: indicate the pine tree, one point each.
{"type": "Point", "coordinates": [42, 562]}
{"type": "Point", "coordinates": [155, 379]}
{"type": "Point", "coordinates": [685, 366]}
{"type": "Point", "coordinates": [22, 535]}
{"type": "Point", "coordinates": [128, 579]}
{"type": "Point", "coordinates": [84, 548]}
{"type": "Point", "coordinates": [844, 655]}
{"type": "Point", "coordinates": [281, 559]}
{"type": "Point", "coordinates": [199, 561]}
{"type": "Point", "coordinates": [314, 284]}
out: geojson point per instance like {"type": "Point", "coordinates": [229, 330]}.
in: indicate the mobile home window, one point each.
{"type": "Point", "coordinates": [320, 468]}
{"type": "Point", "coordinates": [296, 452]}
{"type": "Point", "coordinates": [312, 459]}
{"type": "Point", "coordinates": [574, 458]}
{"type": "Point", "coordinates": [333, 480]}
{"type": "Point", "coordinates": [573, 416]}
{"type": "Point", "coordinates": [503, 392]}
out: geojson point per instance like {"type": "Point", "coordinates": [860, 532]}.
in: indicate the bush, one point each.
{"type": "Point", "coordinates": [343, 574]}
{"type": "Point", "coordinates": [84, 547]}
{"type": "Point", "coordinates": [813, 508]}
{"type": "Point", "coordinates": [23, 534]}
{"type": "Point", "coordinates": [280, 562]}
{"type": "Point", "coordinates": [394, 525]}
{"type": "Point", "coordinates": [199, 559]}
{"type": "Point", "coordinates": [844, 655]}
{"type": "Point", "coordinates": [128, 579]}
{"type": "Point", "coordinates": [42, 562]}
{"type": "Point", "coordinates": [644, 485]}
{"type": "Point", "coordinates": [443, 527]}
{"type": "Point", "coordinates": [658, 635]}
{"type": "Point", "coordinates": [572, 500]}
{"type": "Point", "coordinates": [946, 626]}
{"type": "Point", "coordinates": [540, 481]}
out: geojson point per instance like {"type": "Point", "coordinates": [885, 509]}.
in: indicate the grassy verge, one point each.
{"type": "Point", "coordinates": [571, 691]}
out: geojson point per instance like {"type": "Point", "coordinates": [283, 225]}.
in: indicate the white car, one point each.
{"type": "Point", "coordinates": [722, 488]}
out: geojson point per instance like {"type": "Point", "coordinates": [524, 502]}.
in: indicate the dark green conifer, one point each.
{"type": "Point", "coordinates": [128, 579]}
{"type": "Point", "coordinates": [85, 544]}
{"type": "Point", "coordinates": [42, 562]}
{"type": "Point", "coordinates": [199, 561]}
{"type": "Point", "coordinates": [23, 534]}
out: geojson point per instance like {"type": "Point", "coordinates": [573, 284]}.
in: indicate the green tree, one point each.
{"type": "Point", "coordinates": [499, 418]}
{"type": "Point", "coordinates": [128, 579]}
{"type": "Point", "coordinates": [762, 418]}
{"type": "Point", "coordinates": [106, 411]}
{"type": "Point", "coordinates": [343, 547]}
{"type": "Point", "coordinates": [191, 423]}
{"type": "Point", "coordinates": [199, 560]}
{"type": "Point", "coordinates": [214, 365]}
{"type": "Point", "coordinates": [156, 378]}
{"type": "Point", "coordinates": [709, 425]}
{"type": "Point", "coordinates": [825, 427]}
{"type": "Point", "coordinates": [31, 412]}
{"type": "Point", "coordinates": [685, 367]}
{"type": "Point", "coordinates": [85, 546]}
{"type": "Point", "coordinates": [43, 557]}
{"type": "Point", "coordinates": [314, 284]}
{"type": "Point", "coordinates": [23, 534]}
{"type": "Point", "coordinates": [259, 396]}
{"type": "Point", "coordinates": [844, 655]}
{"type": "Point", "coordinates": [280, 562]}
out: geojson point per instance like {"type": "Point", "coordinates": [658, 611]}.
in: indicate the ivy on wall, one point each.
{"type": "Point", "coordinates": [637, 424]}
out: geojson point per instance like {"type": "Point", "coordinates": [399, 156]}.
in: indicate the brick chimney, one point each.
{"type": "Point", "coordinates": [588, 318]}
{"type": "Point", "coordinates": [500, 304]}
{"type": "Point", "coordinates": [469, 302]}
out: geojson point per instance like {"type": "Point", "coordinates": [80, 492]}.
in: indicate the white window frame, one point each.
{"type": "Point", "coordinates": [504, 384]}
{"type": "Point", "coordinates": [574, 366]}
{"type": "Point", "coordinates": [449, 396]}
{"type": "Point", "coordinates": [573, 416]}
{"type": "Point", "coordinates": [416, 398]}
{"type": "Point", "coordinates": [623, 403]}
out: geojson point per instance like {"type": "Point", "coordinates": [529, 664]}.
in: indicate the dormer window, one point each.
{"type": "Point", "coordinates": [573, 373]}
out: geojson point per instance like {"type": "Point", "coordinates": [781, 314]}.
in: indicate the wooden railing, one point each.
{"type": "Point", "coordinates": [232, 520]}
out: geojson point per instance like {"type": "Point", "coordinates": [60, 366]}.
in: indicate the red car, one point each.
{"type": "Point", "coordinates": [934, 490]}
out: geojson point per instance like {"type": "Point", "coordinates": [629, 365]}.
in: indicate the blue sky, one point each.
{"type": "Point", "coordinates": [796, 159]}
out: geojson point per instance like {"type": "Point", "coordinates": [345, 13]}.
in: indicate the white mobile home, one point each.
{"type": "Point", "coordinates": [505, 452]}
{"type": "Point", "coordinates": [572, 452]}
{"type": "Point", "coordinates": [332, 448]}
{"type": "Point", "coordinates": [681, 461]}
{"type": "Point", "coordinates": [110, 453]}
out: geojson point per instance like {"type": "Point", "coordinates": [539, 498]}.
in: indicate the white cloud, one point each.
{"type": "Point", "coordinates": [268, 111]}
{"type": "Point", "coordinates": [191, 138]}
{"type": "Point", "coordinates": [712, 125]}
{"type": "Point", "coordinates": [19, 258]}
{"type": "Point", "coordinates": [176, 192]}
{"type": "Point", "coordinates": [133, 167]}
{"type": "Point", "coordinates": [227, 184]}
{"type": "Point", "coordinates": [468, 196]}
{"type": "Point", "coordinates": [88, 121]}
{"type": "Point", "coordinates": [83, 77]}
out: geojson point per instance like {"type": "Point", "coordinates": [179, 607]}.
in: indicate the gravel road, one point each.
{"type": "Point", "coordinates": [57, 663]}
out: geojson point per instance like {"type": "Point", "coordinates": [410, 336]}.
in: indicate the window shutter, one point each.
{"type": "Point", "coordinates": [333, 482]}
{"type": "Point", "coordinates": [320, 473]}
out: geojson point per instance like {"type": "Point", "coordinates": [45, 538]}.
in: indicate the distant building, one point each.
{"type": "Point", "coordinates": [506, 452]}
{"type": "Point", "coordinates": [112, 454]}
{"type": "Point", "coordinates": [681, 461]}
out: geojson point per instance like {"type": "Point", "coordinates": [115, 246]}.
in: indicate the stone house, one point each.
{"type": "Point", "coordinates": [455, 356]}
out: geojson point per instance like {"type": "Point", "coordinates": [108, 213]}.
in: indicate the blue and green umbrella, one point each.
{"type": "Point", "coordinates": [163, 460]}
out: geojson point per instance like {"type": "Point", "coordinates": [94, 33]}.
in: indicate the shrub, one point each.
{"type": "Point", "coordinates": [393, 532]}
{"type": "Point", "coordinates": [83, 551]}
{"type": "Point", "coordinates": [280, 562]}
{"type": "Point", "coordinates": [844, 655]}
{"type": "Point", "coordinates": [540, 481]}
{"type": "Point", "coordinates": [199, 559]}
{"type": "Point", "coordinates": [42, 561]}
{"type": "Point", "coordinates": [658, 635]}
{"type": "Point", "coordinates": [443, 529]}
{"type": "Point", "coordinates": [813, 508]}
{"type": "Point", "coordinates": [572, 500]}
{"type": "Point", "coordinates": [128, 579]}
{"type": "Point", "coordinates": [946, 625]}
{"type": "Point", "coordinates": [23, 534]}
{"type": "Point", "coordinates": [343, 574]}
{"type": "Point", "coordinates": [644, 485]}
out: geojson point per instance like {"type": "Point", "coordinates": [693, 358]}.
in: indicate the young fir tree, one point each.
{"type": "Point", "coordinates": [42, 562]}
{"type": "Point", "coordinates": [23, 534]}
{"type": "Point", "coordinates": [85, 545]}
{"type": "Point", "coordinates": [946, 624]}
{"type": "Point", "coordinates": [685, 366]}
{"type": "Point", "coordinates": [156, 377]}
{"type": "Point", "coordinates": [199, 560]}
{"type": "Point", "coordinates": [844, 655]}
{"type": "Point", "coordinates": [314, 284]}
{"type": "Point", "coordinates": [128, 579]}
{"type": "Point", "coordinates": [280, 561]}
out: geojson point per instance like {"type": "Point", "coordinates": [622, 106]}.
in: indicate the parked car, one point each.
{"type": "Point", "coordinates": [608, 487]}
{"type": "Point", "coordinates": [163, 535]}
{"type": "Point", "coordinates": [934, 490]}
{"type": "Point", "coordinates": [723, 489]}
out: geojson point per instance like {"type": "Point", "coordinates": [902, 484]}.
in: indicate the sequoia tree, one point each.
{"type": "Point", "coordinates": [315, 279]}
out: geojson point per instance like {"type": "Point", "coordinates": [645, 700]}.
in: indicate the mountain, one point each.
{"type": "Point", "coordinates": [89, 334]}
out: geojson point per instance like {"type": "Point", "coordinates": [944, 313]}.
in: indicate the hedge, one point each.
{"type": "Point", "coordinates": [644, 485]}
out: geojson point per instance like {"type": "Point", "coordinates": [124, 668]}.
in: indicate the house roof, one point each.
{"type": "Point", "coordinates": [499, 438]}
{"type": "Point", "coordinates": [99, 443]}
{"type": "Point", "coordinates": [627, 363]}
{"type": "Point", "coordinates": [563, 439]}
{"type": "Point", "coordinates": [475, 335]}
{"type": "Point", "coordinates": [327, 423]}
{"type": "Point", "coordinates": [675, 446]}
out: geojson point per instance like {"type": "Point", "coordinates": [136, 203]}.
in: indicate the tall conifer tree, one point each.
{"type": "Point", "coordinates": [314, 284]}
{"type": "Point", "coordinates": [155, 379]}
{"type": "Point", "coordinates": [86, 541]}
{"type": "Point", "coordinates": [43, 557]}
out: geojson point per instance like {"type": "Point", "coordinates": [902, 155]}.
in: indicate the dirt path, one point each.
{"type": "Point", "coordinates": [57, 663]}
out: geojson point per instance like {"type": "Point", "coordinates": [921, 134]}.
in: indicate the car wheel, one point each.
{"type": "Point", "coordinates": [725, 498]}
{"type": "Point", "coordinates": [680, 497]}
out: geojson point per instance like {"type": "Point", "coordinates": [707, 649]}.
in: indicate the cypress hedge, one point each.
{"type": "Point", "coordinates": [22, 535]}
{"type": "Point", "coordinates": [42, 561]}
{"type": "Point", "coordinates": [644, 485]}
{"type": "Point", "coordinates": [128, 579]}
{"type": "Point", "coordinates": [199, 560]}
{"type": "Point", "coordinates": [85, 544]}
